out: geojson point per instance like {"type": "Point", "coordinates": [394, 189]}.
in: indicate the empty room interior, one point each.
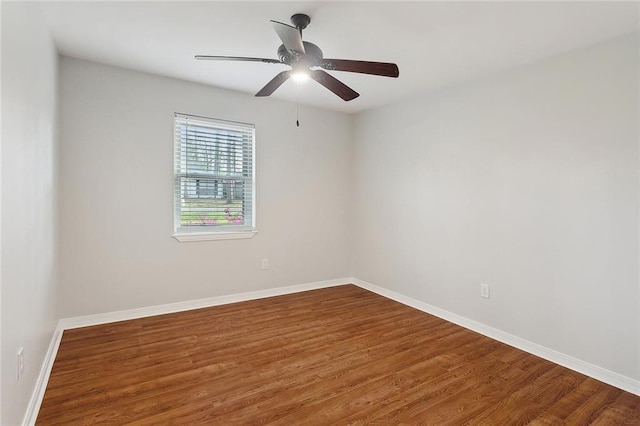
{"type": "Point", "coordinates": [206, 219]}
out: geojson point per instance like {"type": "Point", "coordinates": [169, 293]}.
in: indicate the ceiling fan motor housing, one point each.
{"type": "Point", "coordinates": [311, 58]}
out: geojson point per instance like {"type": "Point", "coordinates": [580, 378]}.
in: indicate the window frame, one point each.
{"type": "Point", "coordinates": [211, 232]}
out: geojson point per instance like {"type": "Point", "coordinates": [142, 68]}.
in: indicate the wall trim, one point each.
{"type": "Point", "coordinates": [43, 378]}
{"type": "Point", "coordinates": [107, 317]}
{"type": "Point", "coordinates": [594, 371]}
{"type": "Point", "coordinates": [602, 374]}
{"type": "Point", "coordinates": [88, 320]}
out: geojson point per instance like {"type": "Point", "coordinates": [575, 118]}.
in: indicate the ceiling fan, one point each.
{"type": "Point", "coordinates": [306, 60]}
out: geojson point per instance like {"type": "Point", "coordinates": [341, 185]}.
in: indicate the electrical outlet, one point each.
{"type": "Point", "coordinates": [265, 264]}
{"type": "Point", "coordinates": [484, 290]}
{"type": "Point", "coordinates": [20, 356]}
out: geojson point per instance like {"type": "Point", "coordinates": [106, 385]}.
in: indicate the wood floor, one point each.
{"type": "Point", "coordinates": [333, 356]}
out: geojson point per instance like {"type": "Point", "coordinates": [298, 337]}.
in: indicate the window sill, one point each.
{"type": "Point", "coordinates": [192, 237]}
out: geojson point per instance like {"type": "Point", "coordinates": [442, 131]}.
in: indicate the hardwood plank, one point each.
{"type": "Point", "coordinates": [340, 355]}
{"type": "Point", "coordinates": [626, 410]}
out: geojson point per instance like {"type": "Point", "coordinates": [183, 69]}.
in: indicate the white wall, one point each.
{"type": "Point", "coordinates": [116, 189]}
{"type": "Point", "coordinates": [527, 181]}
{"type": "Point", "coordinates": [29, 294]}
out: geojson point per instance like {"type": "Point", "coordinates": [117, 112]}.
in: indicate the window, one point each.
{"type": "Point", "coordinates": [214, 179]}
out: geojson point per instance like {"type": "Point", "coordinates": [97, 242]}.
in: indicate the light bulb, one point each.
{"type": "Point", "coordinates": [300, 75]}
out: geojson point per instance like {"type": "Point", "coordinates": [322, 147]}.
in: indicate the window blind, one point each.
{"type": "Point", "coordinates": [214, 175]}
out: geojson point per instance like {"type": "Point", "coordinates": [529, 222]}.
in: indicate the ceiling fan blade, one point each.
{"type": "Point", "coordinates": [276, 82]}
{"type": "Point", "coordinates": [333, 84]}
{"type": "Point", "coordinates": [384, 69]}
{"type": "Point", "coordinates": [236, 58]}
{"type": "Point", "coordinates": [290, 36]}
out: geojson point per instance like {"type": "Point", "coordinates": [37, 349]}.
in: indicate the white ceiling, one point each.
{"type": "Point", "coordinates": [435, 44]}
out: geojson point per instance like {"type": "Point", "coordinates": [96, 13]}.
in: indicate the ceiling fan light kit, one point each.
{"type": "Point", "coordinates": [307, 61]}
{"type": "Point", "coordinates": [300, 76]}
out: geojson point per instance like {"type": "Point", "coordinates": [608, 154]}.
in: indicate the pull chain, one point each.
{"type": "Point", "coordinates": [297, 104]}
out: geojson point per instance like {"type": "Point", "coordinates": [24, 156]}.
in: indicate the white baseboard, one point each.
{"type": "Point", "coordinates": [614, 379]}
{"type": "Point", "coordinates": [88, 320]}
{"type": "Point", "coordinates": [43, 378]}
{"type": "Point", "coordinates": [599, 373]}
